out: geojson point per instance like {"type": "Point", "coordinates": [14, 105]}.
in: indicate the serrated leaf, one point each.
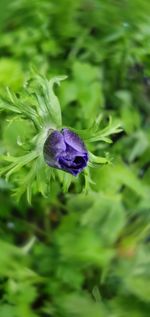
{"type": "Point", "coordinates": [97, 159]}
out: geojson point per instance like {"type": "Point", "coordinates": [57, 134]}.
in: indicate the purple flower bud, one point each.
{"type": "Point", "coordinates": [66, 151]}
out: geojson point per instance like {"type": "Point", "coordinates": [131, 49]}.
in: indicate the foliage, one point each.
{"type": "Point", "coordinates": [81, 249]}
{"type": "Point", "coordinates": [41, 107]}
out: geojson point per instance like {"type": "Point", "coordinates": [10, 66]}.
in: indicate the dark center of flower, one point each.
{"type": "Point", "coordinates": [78, 160]}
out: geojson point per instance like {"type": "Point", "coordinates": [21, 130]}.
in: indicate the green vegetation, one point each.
{"type": "Point", "coordinates": [75, 247]}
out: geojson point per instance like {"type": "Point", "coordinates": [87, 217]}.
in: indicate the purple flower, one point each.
{"type": "Point", "coordinates": [66, 151]}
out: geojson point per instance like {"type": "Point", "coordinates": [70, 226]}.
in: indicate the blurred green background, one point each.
{"type": "Point", "coordinates": [76, 254]}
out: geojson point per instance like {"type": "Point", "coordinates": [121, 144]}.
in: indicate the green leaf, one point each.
{"type": "Point", "coordinates": [48, 101]}
{"type": "Point", "coordinates": [97, 159]}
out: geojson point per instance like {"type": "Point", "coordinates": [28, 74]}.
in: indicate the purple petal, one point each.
{"type": "Point", "coordinates": [73, 140]}
{"type": "Point", "coordinates": [73, 166]}
{"type": "Point", "coordinates": [53, 147]}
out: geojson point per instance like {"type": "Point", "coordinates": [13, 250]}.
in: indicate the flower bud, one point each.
{"type": "Point", "coordinates": [66, 151]}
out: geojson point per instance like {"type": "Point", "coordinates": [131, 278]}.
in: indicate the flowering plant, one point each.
{"type": "Point", "coordinates": [49, 149]}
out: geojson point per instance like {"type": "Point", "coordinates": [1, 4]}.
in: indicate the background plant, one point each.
{"type": "Point", "coordinates": [74, 254]}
